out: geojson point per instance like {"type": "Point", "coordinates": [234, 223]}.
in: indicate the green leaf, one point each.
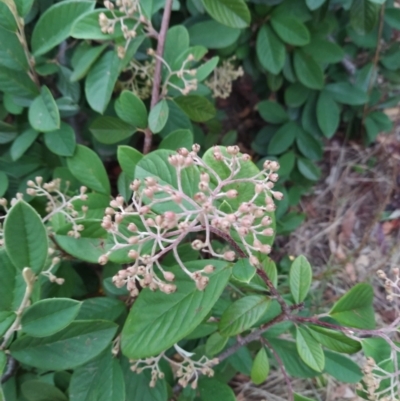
{"type": "Point", "coordinates": [99, 380]}
{"type": "Point", "coordinates": [309, 349]}
{"type": "Point", "coordinates": [308, 72]}
{"type": "Point", "coordinates": [272, 112]}
{"type": "Point", "coordinates": [7, 18]}
{"type": "Point", "coordinates": [328, 114]}
{"type": "Point", "coordinates": [283, 138]}
{"type": "Point", "coordinates": [290, 29]}
{"type": "Point", "coordinates": [43, 112]}
{"type": "Point", "coordinates": [8, 274]}
{"type": "Point", "coordinates": [181, 138]}
{"type": "Point", "coordinates": [206, 69]}
{"type": "Point", "coordinates": [308, 169]}
{"type": "Point", "coordinates": [243, 271]}
{"type": "Point", "coordinates": [314, 4]}
{"type": "Point", "coordinates": [101, 79]}
{"type": "Point", "coordinates": [85, 61]}
{"type": "Point", "coordinates": [87, 167]}
{"type": "Point", "coordinates": [49, 316]}
{"type": "Point", "coordinates": [6, 320]}
{"type": "Point", "coordinates": [215, 344]}
{"type": "Point", "coordinates": [3, 183]}
{"type": "Point", "coordinates": [110, 130]}
{"type": "Point", "coordinates": [158, 320]}
{"type": "Point", "coordinates": [62, 141]}
{"type": "Point", "coordinates": [212, 34]}
{"type": "Point", "coordinates": [73, 346]}
{"type": "Point", "coordinates": [12, 54]}
{"type": "Point", "coordinates": [37, 390]}
{"type": "Point", "coordinates": [354, 309]}
{"type": "Point", "coordinates": [17, 83]}
{"type": "Point", "coordinates": [243, 314]}
{"type": "Point", "coordinates": [296, 94]}
{"type": "Point", "coordinates": [342, 368]}
{"type": "Point", "coordinates": [101, 308]}
{"type": "Point", "coordinates": [270, 50]}
{"type": "Point", "coordinates": [25, 237]}
{"type": "Point", "coordinates": [128, 158]}
{"type": "Point", "coordinates": [364, 15]}
{"type": "Point", "coordinates": [377, 122]}
{"type": "Point", "coordinates": [55, 24]}
{"type": "Point", "coordinates": [214, 390]}
{"type": "Point", "coordinates": [309, 146]}
{"type": "Point", "coordinates": [260, 368]}
{"type": "Point", "coordinates": [324, 51]}
{"type": "Point", "coordinates": [392, 17]}
{"type": "Point", "coordinates": [298, 397]}
{"type": "Point", "coordinates": [233, 13]}
{"type": "Point", "coordinates": [131, 109]}
{"type": "Point", "coordinates": [158, 116]}
{"type": "Point", "coordinates": [335, 340]}
{"type": "Point", "coordinates": [86, 249]}
{"type": "Point", "coordinates": [22, 143]}
{"type": "Point", "coordinates": [197, 108]}
{"type": "Point", "coordinates": [345, 93]}
{"type": "Point", "coordinates": [300, 277]}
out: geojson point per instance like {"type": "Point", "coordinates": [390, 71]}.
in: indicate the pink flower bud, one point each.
{"type": "Point", "coordinates": [132, 227]}
{"type": "Point", "coordinates": [132, 254]}
{"type": "Point", "coordinates": [208, 269]}
{"type": "Point", "coordinates": [169, 216]}
{"type": "Point", "coordinates": [269, 232]}
{"type": "Point", "coordinates": [230, 256]}
{"type": "Point", "coordinates": [232, 193]}
{"type": "Point", "coordinates": [103, 259]}
{"type": "Point", "coordinates": [169, 276]}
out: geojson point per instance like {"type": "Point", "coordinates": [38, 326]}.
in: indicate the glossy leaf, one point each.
{"type": "Point", "coordinates": [158, 320]}
{"type": "Point", "coordinates": [43, 112]}
{"type": "Point", "coordinates": [101, 79]}
{"type": "Point", "coordinates": [22, 143]}
{"type": "Point", "coordinates": [158, 116]}
{"type": "Point", "coordinates": [296, 94]}
{"type": "Point", "coordinates": [355, 309]}
{"type": "Point", "coordinates": [12, 53]}
{"type": "Point", "coordinates": [37, 390]}
{"type": "Point", "coordinates": [128, 158]}
{"type": "Point", "coordinates": [308, 71]}
{"type": "Point", "coordinates": [233, 13]}
{"type": "Point", "coordinates": [49, 316]}
{"type": "Point", "coordinates": [85, 61]}
{"type": "Point", "coordinates": [308, 169]}
{"type": "Point", "coordinates": [290, 29]}
{"type": "Point", "coordinates": [215, 344]}
{"type": "Point", "coordinates": [197, 108]}
{"type": "Point", "coordinates": [17, 83]}
{"type": "Point", "coordinates": [110, 130]}
{"type": "Point", "coordinates": [243, 271]}
{"type": "Point", "coordinates": [212, 34]}
{"type": "Point", "coordinates": [272, 112]}
{"type": "Point", "coordinates": [73, 346]}
{"type": "Point", "coordinates": [324, 51]}
{"type": "Point", "coordinates": [62, 141]}
{"type": "Point", "coordinates": [87, 167]}
{"type": "Point", "coordinates": [101, 308]}
{"type": "Point", "coordinates": [328, 114]}
{"type": "Point", "coordinates": [182, 138]}
{"type": "Point", "coordinates": [25, 237]}
{"type": "Point", "coordinates": [364, 15]}
{"type": "Point", "coordinates": [242, 314]}
{"type": "Point", "coordinates": [345, 93]}
{"type": "Point", "coordinates": [300, 277]}
{"type": "Point", "coordinates": [131, 109]}
{"type": "Point", "coordinates": [260, 368]}
{"type": "Point", "coordinates": [283, 138]}
{"type": "Point", "coordinates": [214, 390]}
{"type": "Point", "coordinates": [309, 349]}
{"type": "Point", "coordinates": [270, 50]}
{"type": "Point", "coordinates": [55, 24]}
{"type": "Point", "coordinates": [3, 183]}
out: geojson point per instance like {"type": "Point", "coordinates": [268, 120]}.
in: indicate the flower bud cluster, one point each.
{"type": "Point", "coordinates": [147, 235]}
{"type": "Point", "coordinates": [60, 203]}
{"type": "Point", "coordinates": [186, 369]}
{"type": "Point", "coordinates": [392, 287]}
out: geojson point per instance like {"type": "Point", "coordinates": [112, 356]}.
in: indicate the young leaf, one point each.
{"type": "Point", "coordinates": [197, 108]}
{"type": "Point", "coordinates": [215, 390]}
{"type": "Point", "coordinates": [270, 50]}
{"type": "Point", "coordinates": [100, 379]}
{"type": "Point", "coordinates": [43, 112]}
{"type": "Point", "coordinates": [25, 237]}
{"type": "Point", "coordinates": [131, 109]}
{"type": "Point", "coordinates": [242, 314]}
{"type": "Point", "coordinates": [309, 349]}
{"type": "Point", "coordinates": [22, 143]}
{"type": "Point", "coordinates": [75, 345]}
{"type": "Point", "coordinates": [272, 112]}
{"type": "Point", "coordinates": [181, 138]}
{"type": "Point", "coordinates": [157, 320]}
{"type": "Point", "coordinates": [260, 368]}
{"type": "Point", "coordinates": [158, 116]}
{"type": "Point", "coordinates": [128, 158]}
{"type": "Point", "coordinates": [328, 114]}
{"type": "Point", "coordinates": [49, 316]}
{"type": "Point", "coordinates": [55, 24]}
{"type": "Point", "coordinates": [62, 142]}
{"type": "Point", "coordinates": [308, 71]}
{"type": "Point", "coordinates": [110, 130]}
{"type": "Point", "coordinates": [101, 80]}
{"type": "Point", "coordinates": [87, 167]}
{"type": "Point", "coordinates": [300, 277]}
{"type": "Point", "coordinates": [290, 30]}
{"type": "Point", "coordinates": [355, 309]}
{"type": "Point", "coordinates": [233, 13]}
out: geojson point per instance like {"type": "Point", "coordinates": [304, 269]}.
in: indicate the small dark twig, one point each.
{"type": "Point", "coordinates": [12, 366]}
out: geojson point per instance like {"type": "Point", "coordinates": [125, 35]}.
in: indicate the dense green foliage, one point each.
{"type": "Point", "coordinates": [82, 84]}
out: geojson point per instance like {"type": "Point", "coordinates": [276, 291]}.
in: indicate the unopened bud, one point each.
{"type": "Point", "coordinates": [229, 255]}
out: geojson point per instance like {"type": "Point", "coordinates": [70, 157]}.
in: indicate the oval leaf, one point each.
{"type": "Point", "coordinates": [300, 277]}
{"type": "Point", "coordinates": [260, 368]}
{"type": "Point", "coordinates": [62, 142]}
{"type": "Point", "coordinates": [270, 50]}
{"type": "Point", "coordinates": [290, 30]}
{"type": "Point", "coordinates": [233, 13]}
{"type": "Point", "coordinates": [309, 349]}
{"type": "Point", "coordinates": [158, 116]}
{"type": "Point", "coordinates": [310, 74]}
{"type": "Point", "coordinates": [328, 114]}
{"type": "Point", "coordinates": [197, 108]}
{"type": "Point", "coordinates": [131, 109]}
{"type": "Point", "coordinates": [110, 130]}
{"type": "Point", "coordinates": [43, 112]}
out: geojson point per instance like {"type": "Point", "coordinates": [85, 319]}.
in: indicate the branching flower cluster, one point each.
{"type": "Point", "coordinates": [148, 234]}
{"type": "Point", "coordinates": [186, 369]}
{"type": "Point", "coordinates": [392, 287]}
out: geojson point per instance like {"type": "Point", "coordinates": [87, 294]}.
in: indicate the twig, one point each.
{"type": "Point", "coordinates": [12, 366]}
{"type": "Point", "coordinates": [155, 94]}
